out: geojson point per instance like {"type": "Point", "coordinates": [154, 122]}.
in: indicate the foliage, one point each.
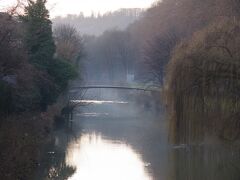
{"type": "Point", "coordinates": [199, 70]}
{"type": "Point", "coordinates": [15, 72]}
{"type": "Point", "coordinates": [38, 36]}
{"type": "Point", "coordinates": [203, 84]}
{"type": "Point", "coordinates": [30, 77]}
{"type": "Point", "coordinates": [69, 44]}
{"type": "Point", "coordinates": [63, 71]}
{"type": "Point", "coordinates": [53, 74]}
{"type": "Point", "coordinates": [39, 42]}
{"type": "Point", "coordinates": [169, 22]}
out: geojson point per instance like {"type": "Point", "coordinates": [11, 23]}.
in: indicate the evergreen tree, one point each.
{"type": "Point", "coordinates": [38, 38]}
{"type": "Point", "coordinates": [53, 73]}
{"type": "Point", "coordinates": [40, 46]}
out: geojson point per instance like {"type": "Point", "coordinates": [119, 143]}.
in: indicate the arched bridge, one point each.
{"type": "Point", "coordinates": [150, 88]}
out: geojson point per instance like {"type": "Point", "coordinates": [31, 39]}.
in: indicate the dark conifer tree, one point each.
{"type": "Point", "coordinates": [38, 37]}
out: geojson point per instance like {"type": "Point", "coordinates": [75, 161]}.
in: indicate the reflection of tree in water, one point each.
{"type": "Point", "coordinates": [59, 170]}
{"type": "Point", "coordinates": [206, 162]}
{"type": "Point", "coordinates": [53, 166]}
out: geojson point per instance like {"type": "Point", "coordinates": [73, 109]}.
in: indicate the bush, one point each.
{"type": "Point", "coordinates": [62, 71]}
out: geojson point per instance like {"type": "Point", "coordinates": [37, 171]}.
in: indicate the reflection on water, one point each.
{"type": "Point", "coordinates": [116, 140]}
{"type": "Point", "coordinates": [99, 158]}
{"type": "Point", "coordinates": [92, 114]}
{"type": "Point", "coordinates": [206, 162]}
{"type": "Point", "coordinates": [98, 102]}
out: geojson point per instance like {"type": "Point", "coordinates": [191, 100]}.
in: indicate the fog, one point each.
{"type": "Point", "coordinates": [133, 94]}
{"type": "Point", "coordinates": [96, 24]}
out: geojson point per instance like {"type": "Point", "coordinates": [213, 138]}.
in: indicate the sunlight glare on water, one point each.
{"type": "Point", "coordinates": [99, 102]}
{"type": "Point", "coordinates": [99, 159]}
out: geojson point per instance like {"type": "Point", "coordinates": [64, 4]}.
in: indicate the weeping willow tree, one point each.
{"type": "Point", "coordinates": [203, 85]}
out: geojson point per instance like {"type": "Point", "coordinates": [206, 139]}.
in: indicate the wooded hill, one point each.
{"type": "Point", "coordinates": [96, 24]}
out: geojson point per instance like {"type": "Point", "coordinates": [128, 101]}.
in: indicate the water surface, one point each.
{"type": "Point", "coordinates": [122, 139]}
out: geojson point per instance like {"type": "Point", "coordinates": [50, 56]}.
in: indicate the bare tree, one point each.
{"type": "Point", "coordinates": [157, 55]}
{"type": "Point", "coordinates": [69, 43]}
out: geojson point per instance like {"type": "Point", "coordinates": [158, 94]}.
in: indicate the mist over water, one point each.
{"type": "Point", "coordinates": [112, 136]}
{"type": "Point", "coordinates": [112, 140]}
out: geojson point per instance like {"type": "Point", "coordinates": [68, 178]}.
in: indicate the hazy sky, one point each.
{"type": "Point", "coordinates": [63, 7]}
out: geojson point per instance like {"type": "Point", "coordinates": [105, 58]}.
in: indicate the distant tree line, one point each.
{"type": "Point", "coordinates": [96, 24]}
{"type": "Point", "coordinates": [109, 57]}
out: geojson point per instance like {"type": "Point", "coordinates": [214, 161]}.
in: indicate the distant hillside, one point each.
{"type": "Point", "coordinates": [97, 24]}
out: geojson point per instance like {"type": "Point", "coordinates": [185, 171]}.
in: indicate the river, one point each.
{"type": "Point", "coordinates": [120, 138]}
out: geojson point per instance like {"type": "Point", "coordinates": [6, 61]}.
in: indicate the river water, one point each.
{"type": "Point", "coordinates": [123, 139]}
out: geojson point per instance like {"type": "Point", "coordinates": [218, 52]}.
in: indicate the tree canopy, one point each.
{"type": "Point", "coordinates": [38, 36]}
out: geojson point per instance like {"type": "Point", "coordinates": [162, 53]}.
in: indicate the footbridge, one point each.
{"type": "Point", "coordinates": [139, 88]}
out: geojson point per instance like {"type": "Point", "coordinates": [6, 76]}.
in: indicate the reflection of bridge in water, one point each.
{"type": "Point", "coordinates": [150, 88]}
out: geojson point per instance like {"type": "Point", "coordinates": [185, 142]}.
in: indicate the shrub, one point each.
{"type": "Point", "coordinates": [62, 71]}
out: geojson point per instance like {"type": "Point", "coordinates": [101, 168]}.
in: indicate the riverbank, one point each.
{"type": "Point", "coordinates": [22, 141]}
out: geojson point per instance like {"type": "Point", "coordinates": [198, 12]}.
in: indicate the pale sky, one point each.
{"type": "Point", "coordinates": [64, 7]}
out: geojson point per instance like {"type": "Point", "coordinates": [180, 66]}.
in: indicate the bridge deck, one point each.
{"type": "Point", "coordinates": [151, 89]}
